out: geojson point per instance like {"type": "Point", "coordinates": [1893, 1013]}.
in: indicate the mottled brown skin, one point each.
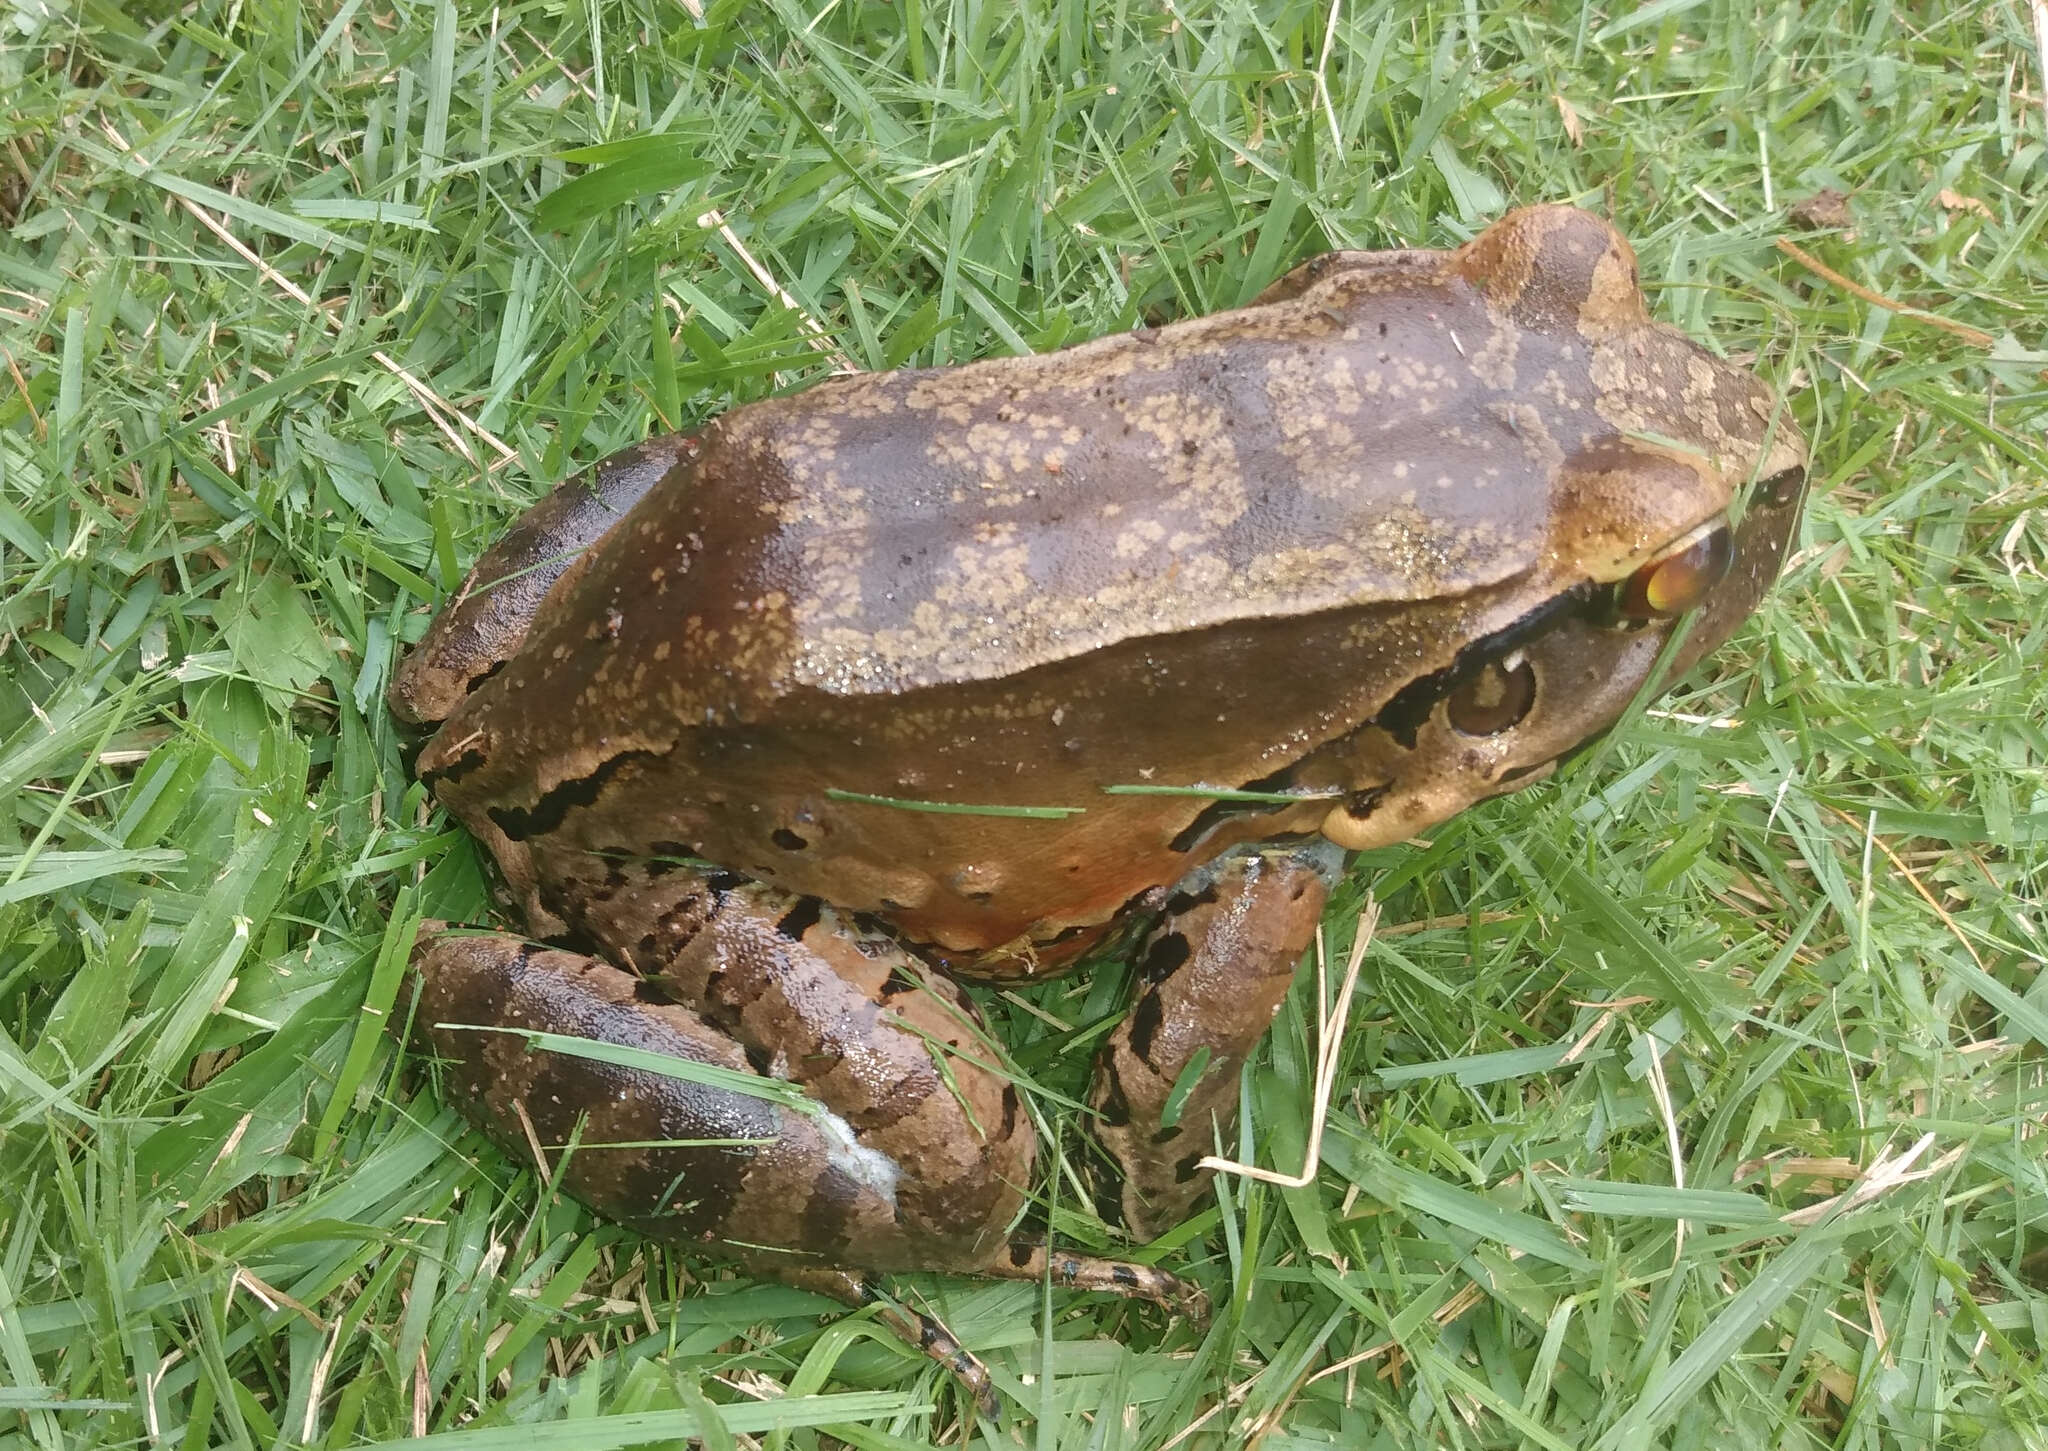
{"type": "Point", "coordinates": [1025, 579]}
{"type": "Point", "coordinates": [917, 1158]}
{"type": "Point", "coordinates": [1358, 543]}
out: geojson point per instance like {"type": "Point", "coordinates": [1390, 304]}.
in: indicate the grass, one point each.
{"type": "Point", "coordinates": [299, 303]}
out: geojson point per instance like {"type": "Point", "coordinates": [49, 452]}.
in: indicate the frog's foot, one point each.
{"type": "Point", "coordinates": [1022, 1260]}
{"type": "Point", "coordinates": [1026, 1260]}
{"type": "Point", "coordinates": [913, 1327]}
{"type": "Point", "coordinates": [1211, 976]}
{"type": "Point", "coordinates": [485, 620]}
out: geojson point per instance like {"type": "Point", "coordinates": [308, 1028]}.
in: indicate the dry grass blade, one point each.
{"type": "Point", "coordinates": [1888, 1171]}
{"type": "Point", "coordinates": [1976, 337]}
{"type": "Point", "coordinates": [815, 332]}
{"type": "Point", "coordinates": [1330, 1023]}
{"type": "Point", "coordinates": [2040, 12]}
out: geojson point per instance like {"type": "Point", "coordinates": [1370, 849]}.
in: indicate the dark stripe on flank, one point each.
{"type": "Point", "coordinates": [455, 770]}
{"type": "Point", "coordinates": [828, 1213]}
{"type": "Point", "coordinates": [1145, 1021]}
{"type": "Point", "coordinates": [799, 919]}
{"type": "Point", "coordinates": [1168, 953]}
{"type": "Point", "coordinates": [545, 815]}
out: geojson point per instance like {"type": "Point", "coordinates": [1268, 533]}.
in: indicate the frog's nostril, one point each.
{"type": "Point", "coordinates": [787, 839]}
{"type": "Point", "coordinates": [1783, 488]}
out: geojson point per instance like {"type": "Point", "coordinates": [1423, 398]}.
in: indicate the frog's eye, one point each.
{"type": "Point", "coordinates": [1679, 578]}
{"type": "Point", "coordinates": [1494, 699]}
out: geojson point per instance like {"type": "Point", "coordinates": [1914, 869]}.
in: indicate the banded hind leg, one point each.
{"type": "Point", "coordinates": [889, 1138]}
{"type": "Point", "coordinates": [484, 621]}
{"type": "Point", "coordinates": [1211, 976]}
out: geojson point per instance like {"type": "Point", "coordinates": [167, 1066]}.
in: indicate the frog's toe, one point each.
{"type": "Point", "coordinates": [1028, 1261]}
{"type": "Point", "coordinates": [935, 1340]}
{"type": "Point", "coordinates": [914, 1328]}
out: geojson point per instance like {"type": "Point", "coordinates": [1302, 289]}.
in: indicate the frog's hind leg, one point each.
{"type": "Point", "coordinates": [871, 1143]}
{"type": "Point", "coordinates": [891, 1052]}
{"type": "Point", "coordinates": [679, 1157]}
{"type": "Point", "coordinates": [484, 621]}
{"type": "Point", "coordinates": [870, 1135]}
{"type": "Point", "coordinates": [1211, 975]}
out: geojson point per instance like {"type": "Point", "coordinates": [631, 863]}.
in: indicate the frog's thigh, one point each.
{"type": "Point", "coordinates": [768, 1166]}
{"type": "Point", "coordinates": [844, 1181]}
{"type": "Point", "coordinates": [1211, 976]}
{"type": "Point", "coordinates": [889, 1045]}
{"type": "Point", "coordinates": [484, 621]}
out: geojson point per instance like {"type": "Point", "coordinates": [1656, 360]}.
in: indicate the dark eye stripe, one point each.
{"type": "Point", "coordinates": [1402, 717]}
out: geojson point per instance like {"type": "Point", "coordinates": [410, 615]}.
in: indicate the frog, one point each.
{"type": "Point", "coordinates": [779, 731]}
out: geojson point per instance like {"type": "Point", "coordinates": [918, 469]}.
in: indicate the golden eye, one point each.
{"type": "Point", "coordinates": [1494, 699]}
{"type": "Point", "coordinates": [1680, 578]}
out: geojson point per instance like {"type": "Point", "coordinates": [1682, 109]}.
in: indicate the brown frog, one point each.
{"type": "Point", "coordinates": [1177, 616]}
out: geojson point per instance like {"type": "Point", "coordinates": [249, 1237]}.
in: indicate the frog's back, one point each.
{"type": "Point", "coordinates": [1383, 428]}
{"type": "Point", "coordinates": [925, 527]}
{"type": "Point", "coordinates": [1346, 446]}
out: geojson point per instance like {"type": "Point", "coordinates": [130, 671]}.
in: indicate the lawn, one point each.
{"type": "Point", "coordinates": [1693, 1100]}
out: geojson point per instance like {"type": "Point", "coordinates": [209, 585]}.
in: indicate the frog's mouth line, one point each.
{"type": "Point", "coordinates": [1217, 812]}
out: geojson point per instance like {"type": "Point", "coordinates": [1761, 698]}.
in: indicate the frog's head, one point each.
{"type": "Point", "coordinates": [1642, 541]}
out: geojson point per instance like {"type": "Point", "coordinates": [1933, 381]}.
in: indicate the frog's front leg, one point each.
{"type": "Point", "coordinates": [1211, 975]}
{"type": "Point", "coordinates": [487, 617]}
